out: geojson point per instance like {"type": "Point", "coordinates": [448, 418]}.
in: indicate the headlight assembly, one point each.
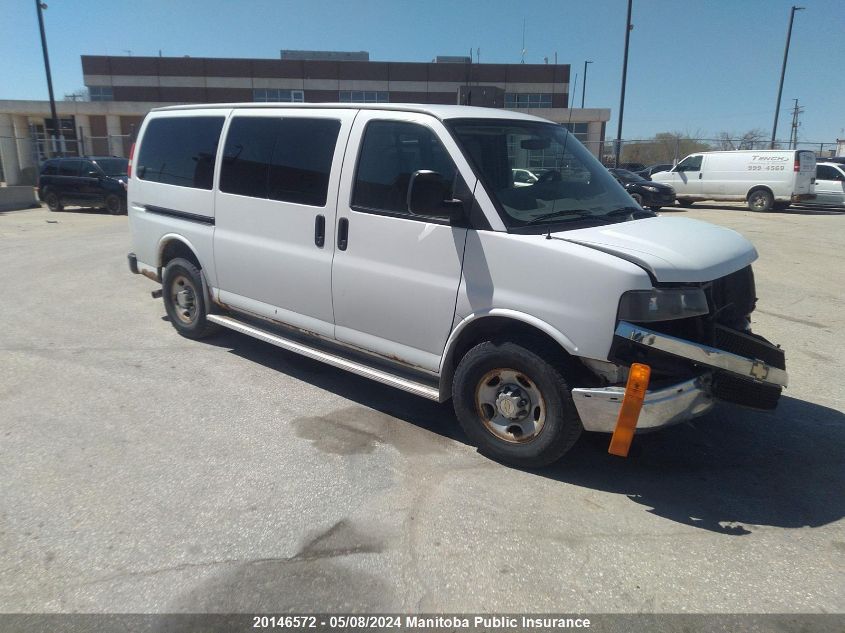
{"type": "Point", "coordinates": [662, 304]}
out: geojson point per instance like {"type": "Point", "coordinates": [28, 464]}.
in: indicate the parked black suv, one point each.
{"type": "Point", "coordinates": [646, 193]}
{"type": "Point", "coordinates": [90, 181]}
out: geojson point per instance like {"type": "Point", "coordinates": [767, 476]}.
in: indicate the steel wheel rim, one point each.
{"type": "Point", "coordinates": [758, 201]}
{"type": "Point", "coordinates": [499, 397]}
{"type": "Point", "coordinates": [183, 297]}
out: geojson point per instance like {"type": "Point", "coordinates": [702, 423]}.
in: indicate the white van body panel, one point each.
{"type": "Point", "coordinates": [671, 249]}
{"type": "Point", "coordinates": [732, 175]}
{"type": "Point", "coordinates": [830, 192]}
{"type": "Point", "coordinates": [148, 229]}
{"type": "Point", "coordinates": [265, 257]}
{"type": "Point", "coordinates": [573, 289]}
{"type": "Point", "coordinates": [396, 269]}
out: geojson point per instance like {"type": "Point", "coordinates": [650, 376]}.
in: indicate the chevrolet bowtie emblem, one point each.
{"type": "Point", "coordinates": [759, 370]}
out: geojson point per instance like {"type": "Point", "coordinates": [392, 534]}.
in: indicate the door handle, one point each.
{"type": "Point", "coordinates": [343, 233]}
{"type": "Point", "coordinates": [699, 175]}
{"type": "Point", "coordinates": [320, 230]}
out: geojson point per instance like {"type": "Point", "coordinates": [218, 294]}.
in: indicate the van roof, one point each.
{"type": "Point", "coordinates": [441, 112]}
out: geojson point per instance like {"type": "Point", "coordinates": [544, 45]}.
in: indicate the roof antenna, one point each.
{"type": "Point", "coordinates": [523, 41]}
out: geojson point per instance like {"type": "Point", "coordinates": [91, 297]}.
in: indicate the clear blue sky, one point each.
{"type": "Point", "coordinates": [699, 66]}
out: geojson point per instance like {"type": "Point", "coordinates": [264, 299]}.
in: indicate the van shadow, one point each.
{"type": "Point", "coordinates": [724, 472]}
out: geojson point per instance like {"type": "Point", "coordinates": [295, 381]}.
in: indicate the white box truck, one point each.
{"type": "Point", "coordinates": [764, 179]}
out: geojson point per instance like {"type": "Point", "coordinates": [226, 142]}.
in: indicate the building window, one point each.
{"type": "Point", "coordinates": [100, 93]}
{"type": "Point", "coordinates": [579, 130]}
{"type": "Point", "coordinates": [274, 95]}
{"type": "Point", "coordinates": [517, 100]}
{"type": "Point", "coordinates": [363, 96]}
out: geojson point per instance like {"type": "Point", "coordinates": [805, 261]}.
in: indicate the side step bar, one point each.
{"type": "Point", "coordinates": [329, 358]}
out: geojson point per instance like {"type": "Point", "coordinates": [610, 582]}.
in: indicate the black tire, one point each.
{"type": "Point", "coordinates": [685, 202]}
{"type": "Point", "coordinates": [115, 204]}
{"type": "Point", "coordinates": [561, 425]}
{"type": "Point", "coordinates": [760, 200]}
{"type": "Point", "coordinates": [637, 198]}
{"type": "Point", "coordinates": [655, 209]}
{"type": "Point", "coordinates": [53, 202]}
{"type": "Point", "coordinates": [188, 319]}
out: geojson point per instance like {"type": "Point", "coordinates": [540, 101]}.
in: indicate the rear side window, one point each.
{"type": "Point", "coordinates": [69, 167]}
{"type": "Point", "coordinates": [49, 169]}
{"type": "Point", "coordinates": [391, 152]}
{"type": "Point", "coordinates": [180, 151]}
{"type": "Point", "coordinates": [281, 159]}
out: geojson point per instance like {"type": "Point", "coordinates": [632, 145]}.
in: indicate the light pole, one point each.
{"type": "Point", "coordinates": [39, 6]}
{"type": "Point", "coordinates": [628, 28]}
{"type": "Point", "coordinates": [783, 73]}
{"type": "Point", "coordinates": [584, 84]}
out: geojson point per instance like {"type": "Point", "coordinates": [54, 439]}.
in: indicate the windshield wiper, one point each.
{"type": "Point", "coordinates": [578, 213]}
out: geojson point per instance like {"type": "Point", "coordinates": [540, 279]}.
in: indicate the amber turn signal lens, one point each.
{"type": "Point", "coordinates": [629, 412]}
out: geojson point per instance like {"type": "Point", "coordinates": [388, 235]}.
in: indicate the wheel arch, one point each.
{"type": "Point", "coordinates": [754, 188]}
{"type": "Point", "coordinates": [501, 324]}
{"type": "Point", "coordinates": [172, 245]}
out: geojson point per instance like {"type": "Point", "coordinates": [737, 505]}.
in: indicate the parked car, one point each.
{"type": "Point", "coordinates": [653, 169]}
{"type": "Point", "coordinates": [90, 181]}
{"type": "Point", "coordinates": [763, 179]}
{"type": "Point", "coordinates": [830, 185]}
{"type": "Point", "coordinates": [635, 167]}
{"type": "Point", "coordinates": [391, 241]}
{"type": "Point", "coordinates": [645, 193]}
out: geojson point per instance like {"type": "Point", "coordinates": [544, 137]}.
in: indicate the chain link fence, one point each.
{"type": "Point", "coordinates": [668, 149]}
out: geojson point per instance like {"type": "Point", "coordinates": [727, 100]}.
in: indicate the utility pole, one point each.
{"type": "Point", "coordinates": [56, 125]}
{"type": "Point", "coordinates": [584, 84]}
{"type": "Point", "coordinates": [793, 136]}
{"type": "Point", "coordinates": [783, 73]}
{"type": "Point", "coordinates": [628, 28]}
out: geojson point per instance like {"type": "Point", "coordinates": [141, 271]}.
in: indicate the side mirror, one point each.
{"type": "Point", "coordinates": [429, 195]}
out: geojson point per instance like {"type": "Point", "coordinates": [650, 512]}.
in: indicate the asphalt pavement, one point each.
{"type": "Point", "coordinates": [144, 472]}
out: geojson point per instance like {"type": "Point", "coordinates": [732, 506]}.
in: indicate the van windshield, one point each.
{"type": "Point", "coordinates": [539, 174]}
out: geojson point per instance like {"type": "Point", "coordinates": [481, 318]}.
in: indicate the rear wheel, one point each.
{"type": "Point", "coordinates": [760, 200]}
{"type": "Point", "coordinates": [53, 202]}
{"type": "Point", "coordinates": [114, 204]}
{"type": "Point", "coordinates": [514, 405]}
{"type": "Point", "coordinates": [184, 299]}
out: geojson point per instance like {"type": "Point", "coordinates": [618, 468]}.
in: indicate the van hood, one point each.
{"type": "Point", "coordinates": [670, 249]}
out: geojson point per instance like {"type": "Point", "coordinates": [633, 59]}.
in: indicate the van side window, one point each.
{"type": "Point", "coordinates": [180, 151]}
{"type": "Point", "coordinates": [302, 160]}
{"type": "Point", "coordinates": [691, 163]}
{"type": "Point", "coordinates": [281, 159]}
{"type": "Point", "coordinates": [390, 153]}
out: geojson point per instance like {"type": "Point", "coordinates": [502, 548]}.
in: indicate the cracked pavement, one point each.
{"type": "Point", "coordinates": [144, 472]}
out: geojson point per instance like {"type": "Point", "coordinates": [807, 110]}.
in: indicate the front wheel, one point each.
{"type": "Point", "coordinates": [184, 299]}
{"type": "Point", "coordinates": [114, 204]}
{"type": "Point", "coordinates": [514, 405]}
{"type": "Point", "coordinates": [685, 202]}
{"type": "Point", "coordinates": [655, 209]}
{"type": "Point", "coordinates": [637, 198]}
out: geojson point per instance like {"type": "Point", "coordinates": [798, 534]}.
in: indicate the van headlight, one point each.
{"type": "Point", "coordinates": [662, 304]}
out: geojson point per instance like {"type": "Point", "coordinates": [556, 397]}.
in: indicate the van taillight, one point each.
{"type": "Point", "coordinates": [129, 164]}
{"type": "Point", "coordinates": [797, 166]}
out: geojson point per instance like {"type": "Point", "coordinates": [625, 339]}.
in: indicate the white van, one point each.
{"type": "Point", "coordinates": [395, 242]}
{"type": "Point", "coordinates": [764, 179]}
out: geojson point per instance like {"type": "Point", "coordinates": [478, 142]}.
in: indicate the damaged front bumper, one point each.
{"type": "Point", "coordinates": [721, 375]}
